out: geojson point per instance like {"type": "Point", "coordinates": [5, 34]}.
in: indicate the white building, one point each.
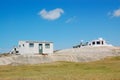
{"type": "Point", "coordinates": [98, 42]}
{"type": "Point", "coordinates": [93, 43]}
{"type": "Point", "coordinates": [34, 47]}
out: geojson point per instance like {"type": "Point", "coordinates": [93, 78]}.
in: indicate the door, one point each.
{"type": "Point", "coordinates": [40, 48]}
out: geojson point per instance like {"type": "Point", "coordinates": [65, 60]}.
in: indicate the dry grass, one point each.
{"type": "Point", "coordinates": [107, 69]}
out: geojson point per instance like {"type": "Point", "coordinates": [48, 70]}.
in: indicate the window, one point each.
{"type": "Point", "coordinates": [15, 49]}
{"type": "Point", "coordinates": [93, 43]}
{"type": "Point", "coordinates": [19, 45]}
{"type": "Point", "coordinates": [102, 42]}
{"type": "Point", "coordinates": [90, 44]}
{"type": "Point", "coordinates": [31, 44]}
{"type": "Point", "coordinates": [47, 45]}
{"type": "Point", "coordinates": [98, 42]}
{"type": "Point", "coordinates": [23, 45]}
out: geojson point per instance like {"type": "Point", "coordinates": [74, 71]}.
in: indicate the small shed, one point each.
{"type": "Point", "coordinates": [35, 47]}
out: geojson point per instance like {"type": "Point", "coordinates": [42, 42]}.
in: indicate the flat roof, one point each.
{"type": "Point", "coordinates": [30, 41]}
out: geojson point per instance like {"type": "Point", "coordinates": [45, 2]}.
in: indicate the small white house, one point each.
{"type": "Point", "coordinates": [98, 42]}
{"type": "Point", "coordinates": [93, 43]}
{"type": "Point", "coordinates": [34, 47]}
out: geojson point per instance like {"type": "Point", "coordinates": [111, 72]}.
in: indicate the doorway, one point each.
{"type": "Point", "coordinates": [40, 48]}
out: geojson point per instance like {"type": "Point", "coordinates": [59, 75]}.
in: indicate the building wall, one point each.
{"type": "Point", "coordinates": [101, 43]}
{"type": "Point", "coordinates": [93, 43]}
{"type": "Point", "coordinates": [24, 48]}
{"type": "Point", "coordinates": [48, 50]}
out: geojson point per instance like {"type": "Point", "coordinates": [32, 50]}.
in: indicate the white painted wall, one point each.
{"type": "Point", "coordinates": [99, 40]}
{"type": "Point", "coordinates": [24, 47]}
{"type": "Point", "coordinates": [48, 50]}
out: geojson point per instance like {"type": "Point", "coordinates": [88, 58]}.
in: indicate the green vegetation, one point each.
{"type": "Point", "coordinates": [107, 69]}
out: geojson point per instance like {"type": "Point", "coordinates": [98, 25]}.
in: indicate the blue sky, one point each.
{"type": "Point", "coordinates": [65, 22]}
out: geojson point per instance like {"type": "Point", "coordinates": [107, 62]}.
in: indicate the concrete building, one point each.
{"type": "Point", "coordinates": [34, 47]}
{"type": "Point", "coordinates": [93, 43]}
{"type": "Point", "coordinates": [98, 42]}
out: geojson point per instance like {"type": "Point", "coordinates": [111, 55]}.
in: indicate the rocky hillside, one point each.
{"type": "Point", "coordinates": [84, 54]}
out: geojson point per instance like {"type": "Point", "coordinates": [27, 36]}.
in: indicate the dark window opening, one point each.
{"type": "Point", "coordinates": [19, 45]}
{"type": "Point", "coordinates": [98, 42]}
{"type": "Point", "coordinates": [93, 43]}
{"type": "Point", "coordinates": [47, 45]}
{"type": "Point", "coordinates": [23, 45]}
{"type": "Point", "coordinates": [31, 44]}
{"type": "Point", "coordinates": [102, 42]}
{"type": "Point", "coordinates": [15, 49]}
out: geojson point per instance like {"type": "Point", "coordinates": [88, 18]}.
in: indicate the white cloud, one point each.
{"type": "Point", "coordinates": [51, 15]}
{"type": "Point", "coordinates": [115, 13]}
{"type": "Point", "coordinates": [70, 19]}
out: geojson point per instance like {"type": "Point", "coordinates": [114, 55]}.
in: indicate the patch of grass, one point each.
{"type": "Point", "coordinates": [107, 69]}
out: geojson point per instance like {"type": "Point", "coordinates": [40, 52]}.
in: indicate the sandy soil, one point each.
{"type": "Point", "coordinates": [84, 54]}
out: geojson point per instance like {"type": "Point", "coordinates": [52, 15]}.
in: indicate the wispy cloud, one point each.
{"type": "Point", "coordinates": [52, 14]}
{"type": "Point", "coordinates": [115, 13]}
{"type": "Point", "coordinates": [70, 19]}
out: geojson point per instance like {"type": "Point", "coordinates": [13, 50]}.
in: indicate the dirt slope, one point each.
{"type": "Point", "coordinates": [84, 54]}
